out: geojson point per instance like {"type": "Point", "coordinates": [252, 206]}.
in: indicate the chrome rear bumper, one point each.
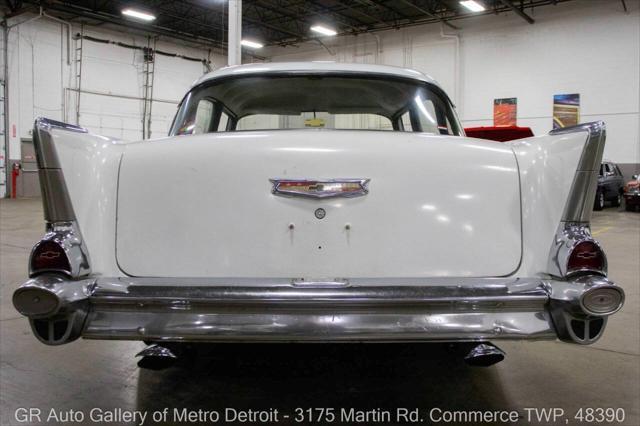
{"type": "Point", "coordinates": [271, 310]}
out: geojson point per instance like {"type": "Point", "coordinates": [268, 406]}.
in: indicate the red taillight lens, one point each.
{"type": "Point", "coordinates": [49, 256]}
{"type": "Point", "coordinates": [586, 255]}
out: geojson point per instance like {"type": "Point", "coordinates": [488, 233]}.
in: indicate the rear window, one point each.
{"type": "Point", "coordinates": [313, 101]}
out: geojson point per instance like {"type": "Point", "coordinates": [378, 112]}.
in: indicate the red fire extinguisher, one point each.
{"type": "Point", "coordinates": [15, 171]}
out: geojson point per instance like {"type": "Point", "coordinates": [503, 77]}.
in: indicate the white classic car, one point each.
{"type": "Point", "coordinates": [317, 202]}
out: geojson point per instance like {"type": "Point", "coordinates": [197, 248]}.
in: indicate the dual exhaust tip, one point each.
{"type": "Point", "coordinates": [484, 355]}
{"type": "Point", "coordinates": [156, 357]}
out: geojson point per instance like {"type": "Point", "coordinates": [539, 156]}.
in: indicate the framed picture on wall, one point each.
{"type": "Point", "coordinates": [566, 110]}
{"type": "Point", "coordinates": [505, 111]}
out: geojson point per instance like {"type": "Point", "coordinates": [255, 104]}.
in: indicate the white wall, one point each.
{"type": "Point", "coordinates": [586, 47]}
{"type": "Point", "coordinates": [40, 80]}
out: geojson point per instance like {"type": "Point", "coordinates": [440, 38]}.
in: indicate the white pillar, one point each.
{"type": "Point", "coordinates": [235, 32]}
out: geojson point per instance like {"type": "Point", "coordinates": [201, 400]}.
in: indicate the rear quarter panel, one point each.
{"type": "Point", "coordinates": [90, 166]}
{"type": "Point", "coordinates": [547, 166]}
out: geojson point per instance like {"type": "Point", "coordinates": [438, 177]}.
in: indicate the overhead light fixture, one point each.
{"type": "Point", "coordinates": [252, 44]}
{"type": "Point", "coordinates": [472, 5]}
{"type": "Point", "coordinates": [138, 14]}
{"type": "Point", "coordinates": [324, 30]}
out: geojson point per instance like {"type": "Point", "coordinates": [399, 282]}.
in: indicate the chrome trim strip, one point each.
{"type": "Point", "coordinates": [55, 196]}
{"type": "Point", "coordinates": [583, 189]}
{"type": "Point", "coordinates": [246, 299]}
{"type": "Point", "coordinates": [320, 194]}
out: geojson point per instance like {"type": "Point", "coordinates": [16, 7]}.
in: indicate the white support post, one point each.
{"type": "Point", "coordinates": [235, 32]}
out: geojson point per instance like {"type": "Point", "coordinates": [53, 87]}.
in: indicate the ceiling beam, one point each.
{"type": "Point", "coordinates": [426, 12]}
{"type": "Point", "coordinates": [361, 13]}
{"type": "Point", "coordinates": [256, 22]}
{"type": "Point", "coordinates": [518, 11]}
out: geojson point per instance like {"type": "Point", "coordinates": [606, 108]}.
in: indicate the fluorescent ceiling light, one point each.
{"type": "Point", "coordinates": [138, 15]}
{"type": "Point", "coordinates": [323, 30]}
{"type": "Point", "coordinates": [472, 5]}
{"type": "Point", "coordinates": [252, 44]}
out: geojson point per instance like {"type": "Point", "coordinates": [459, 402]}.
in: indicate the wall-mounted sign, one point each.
{"type": "Point", "coordinates": [505, 111]}
{"type": "Point", "coordinates": [566, 110]}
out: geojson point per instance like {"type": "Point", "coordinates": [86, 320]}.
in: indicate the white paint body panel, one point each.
{"type": "Point", "coordinates": [547, 168]}
{"type": "Point", "coordinates": [90, 165]}
{"type": "Point", "coordinates": [201, 206]}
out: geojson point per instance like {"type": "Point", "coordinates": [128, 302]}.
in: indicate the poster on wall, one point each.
{"type": "Point", "coordinates": [505, 111]}
{"type": "Point", "coordinates": [566, 110]}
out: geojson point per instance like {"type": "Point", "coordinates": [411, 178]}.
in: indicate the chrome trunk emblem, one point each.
{"type": "Point", "coordinates": [320, 188]}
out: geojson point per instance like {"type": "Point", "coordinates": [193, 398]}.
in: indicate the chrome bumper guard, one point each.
{"type": "Point", "coordinates": [61, 310]}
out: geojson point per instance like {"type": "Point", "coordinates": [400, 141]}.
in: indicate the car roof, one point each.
{"type": "Point", "coordinates": [312, 67]}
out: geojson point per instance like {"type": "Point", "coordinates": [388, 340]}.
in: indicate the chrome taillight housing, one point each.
{"type": "Point", "coordinates": [60, 251]}
{"type": "Point", "coordinates": [586, 256]}
{"type": "Point", "coordinates": [49, 256]}
{"type": "Point", "coordinates": [576, 252]}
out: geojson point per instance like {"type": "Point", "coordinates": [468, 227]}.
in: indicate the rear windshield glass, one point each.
{"type": "Point", "coordinates": [315, 101]}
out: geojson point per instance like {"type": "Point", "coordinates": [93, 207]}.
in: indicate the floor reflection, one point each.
{"type": "Point", "coordinates": [286, 376]}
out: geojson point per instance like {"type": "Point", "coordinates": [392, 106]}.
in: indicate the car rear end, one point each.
{"type": "Point", "coordinates": [318, 235]}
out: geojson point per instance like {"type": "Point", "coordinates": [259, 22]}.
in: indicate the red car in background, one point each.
{"type": "Point", "coordinates": [499, 133]}
{"type": "Point", "coordinates": [632, 193]}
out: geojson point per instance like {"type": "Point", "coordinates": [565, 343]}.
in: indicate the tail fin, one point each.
{"type": "Point", "coordinates": [78, 174]}
{"type": "Point", "coordinates": [573, 233]}
{"type": "Point", "coordinates": [55, 195]}
{"type": "Point", "coordinates": [558, 180]}
{"type": "Point", "coordinates": [583, 189]}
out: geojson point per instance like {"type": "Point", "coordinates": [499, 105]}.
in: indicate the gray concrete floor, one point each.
{"type": "Point", "coordinates": [88, 374]}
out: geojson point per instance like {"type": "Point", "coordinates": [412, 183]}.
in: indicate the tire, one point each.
{"type": "Point", "coordinates": [599, 202]}
{"type": "Point", "coordinates": [617, 201]}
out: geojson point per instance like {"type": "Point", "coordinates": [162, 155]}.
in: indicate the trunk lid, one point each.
{"type": "Point", "coordinates": [202, 206]}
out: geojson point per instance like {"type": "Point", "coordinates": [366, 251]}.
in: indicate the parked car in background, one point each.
{"type": "Point", "coordinates": [610, 186]}
{"type": "Point", "coordinates": [632, 193]}
{"type": "Point", "coordinates": [498, 133]}
{"type": "Point", "coordinates": [317, 202]}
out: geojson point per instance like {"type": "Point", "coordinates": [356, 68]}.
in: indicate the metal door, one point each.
{"type": "Point", "coordinates": [28, 182]}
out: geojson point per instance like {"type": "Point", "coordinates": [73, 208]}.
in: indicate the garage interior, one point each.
{"type": "Point", "coordinates": [85, 63]}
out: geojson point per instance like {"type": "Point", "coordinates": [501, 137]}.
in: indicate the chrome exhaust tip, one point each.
{"type": "Point", "coordinates": [156, 357]}
{"type": "Point", "coordinates": [484, 355]}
